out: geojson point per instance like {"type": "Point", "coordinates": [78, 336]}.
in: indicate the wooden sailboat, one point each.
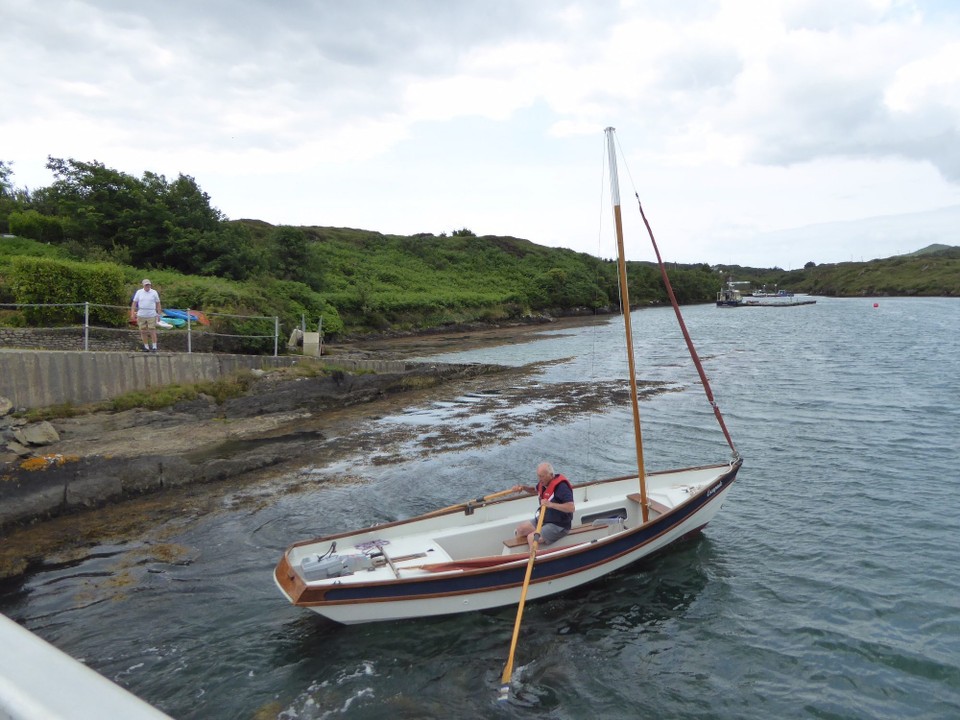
{"type": "Point", "coordinates": [465, 557]}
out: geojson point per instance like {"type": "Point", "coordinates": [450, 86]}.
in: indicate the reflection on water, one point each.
{"type": "Point", "coordinates": [643, 598]}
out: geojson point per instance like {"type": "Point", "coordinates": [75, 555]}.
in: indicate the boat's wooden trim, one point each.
{"type": "Point", "coordinates": [288, 580]}
{"type": "Point", "coordinates": [471, 563]}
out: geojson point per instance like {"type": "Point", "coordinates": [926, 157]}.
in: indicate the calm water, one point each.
{"type": "Point", "coordinates": [828, 587]}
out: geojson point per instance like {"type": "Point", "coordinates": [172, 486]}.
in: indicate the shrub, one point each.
{"type": "Point", "coordinates": [47, 282]}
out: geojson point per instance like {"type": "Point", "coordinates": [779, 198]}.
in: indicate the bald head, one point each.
{"type": "Point", "coordinates": [545, 471]}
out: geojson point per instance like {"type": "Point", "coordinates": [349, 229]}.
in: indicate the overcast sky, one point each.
{"type": "Point", "coordinates": [756, 132]}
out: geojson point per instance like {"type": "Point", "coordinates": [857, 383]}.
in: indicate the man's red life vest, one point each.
{"type": "Point", "coordinates": [546, 492]}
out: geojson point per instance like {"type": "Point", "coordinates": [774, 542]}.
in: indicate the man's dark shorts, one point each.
{"type": "Point", "coordinates": [550, 533]}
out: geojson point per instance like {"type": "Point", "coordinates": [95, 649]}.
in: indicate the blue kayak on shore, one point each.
{"type": "Point", "coordinates": [182, 315]}
{"type": "Point", "coordinates": [195, 316]}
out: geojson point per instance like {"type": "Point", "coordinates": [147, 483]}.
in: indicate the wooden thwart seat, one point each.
{"type": "Point", "coordinates": [654, 505]}
{"type": "Point", "coordinates": [522, 539]}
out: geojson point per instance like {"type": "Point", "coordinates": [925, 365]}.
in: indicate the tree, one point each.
{"type": "Point", "coordinates": [6, 185]}
{"type": "Point", "coordinates": [645, 284]}
{"type": "Point", "coordinates": [11, 199]}
{"type": "Point", "coordinates": [97, 203]}
{"type": "Point", "coordinates": [31, 224]}
{"type": "Point", "coordinates": [223, 252]}
{"type": "Point", "coordinates": [189, 206]}
{"type": "Point", "coordinates": [165, 209]}
{"type": "Point", "coordinates": [289, 253]}
{"type": "Point", "coordinates": [151, 221]}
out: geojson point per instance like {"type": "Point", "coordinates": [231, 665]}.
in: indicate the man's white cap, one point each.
{"type": "Point", "coordinates": [146, 282]}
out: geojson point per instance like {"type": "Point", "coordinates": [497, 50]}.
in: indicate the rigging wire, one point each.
{"type": "Point", "coordinates": [600, 283]}
{"type": "Point", "coordinates": [676, 309]}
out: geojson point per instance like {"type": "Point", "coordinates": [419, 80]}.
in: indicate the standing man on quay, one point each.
{"type": "Point", "coordinates": [145, 309]}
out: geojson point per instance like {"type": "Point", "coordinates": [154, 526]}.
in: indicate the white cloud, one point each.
{"type": "Point", "coordinates": [927, 83]}
{"type": "Point", "coordinates": [737, 118]}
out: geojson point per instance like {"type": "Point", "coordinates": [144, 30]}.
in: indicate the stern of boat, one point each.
{"type": "Point", "coordinates": [287, 580]}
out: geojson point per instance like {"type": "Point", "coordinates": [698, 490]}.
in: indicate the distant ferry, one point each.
{"type": "Point", "coordinates": [729, 297]}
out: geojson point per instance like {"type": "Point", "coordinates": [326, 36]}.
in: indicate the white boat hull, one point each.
{"type": "Point", "coordinates": [458, 561]}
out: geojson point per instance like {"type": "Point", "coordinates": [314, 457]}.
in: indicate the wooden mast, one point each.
{"type": "Point", "coordinates": [625, 303]}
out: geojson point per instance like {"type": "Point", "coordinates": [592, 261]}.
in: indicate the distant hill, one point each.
{"type": "Point", "coordinates": [931, 250]}
{"type": "Point", "coordinates": [862, 240]}
{"type": "Point", "coordinates": [932, 271]}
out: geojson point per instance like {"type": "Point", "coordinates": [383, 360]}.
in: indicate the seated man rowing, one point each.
{"type": "Point", "coordinates": [556, 500]}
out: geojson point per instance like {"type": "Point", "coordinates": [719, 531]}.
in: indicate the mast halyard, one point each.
{"type": "Point", "coordinates": [625, 304]}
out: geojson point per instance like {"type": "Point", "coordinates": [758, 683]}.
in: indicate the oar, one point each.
{"type": "Point", "coordinates": [468, 503]}
{"type": "Point", "coordinates": [508, 670]}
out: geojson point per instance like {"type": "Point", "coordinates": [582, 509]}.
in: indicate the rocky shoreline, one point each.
{"type": "Point", "coordinates": [84, 462]}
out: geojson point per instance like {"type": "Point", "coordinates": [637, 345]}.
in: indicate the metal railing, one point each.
{"type": "Point", "coordinates": [192, 326]}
